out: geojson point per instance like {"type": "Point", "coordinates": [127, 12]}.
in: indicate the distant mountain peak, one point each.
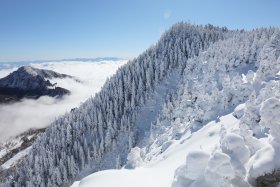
{"type": "Point", "coordinates": [29, 81]}
{"type": "Point", "coordinates": [46, 74]}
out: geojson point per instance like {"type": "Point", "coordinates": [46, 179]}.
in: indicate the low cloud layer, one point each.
{"type": "Point", "coordinates": [18, 117]}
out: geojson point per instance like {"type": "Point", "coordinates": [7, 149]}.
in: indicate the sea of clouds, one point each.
{"type": "Point", "coordinates": [29, 113]}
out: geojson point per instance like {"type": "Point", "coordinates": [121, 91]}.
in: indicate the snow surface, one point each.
{"type": "Point", "coordinates": [160, 171]}
{"type": "Point", "coordinates": [270, 111]}
{"type": "Point", "coordinates": [15, 158]}
{"type": "Point", "coordinates": [10, 145]}
{"type": "Point", "coordinates": [3, 152]}
{"type": "Point", "coordinates": [30, 71]}
{"type": "Point", "coordinates": [267, 158]}
{"type": "Point", "coordinates": [263, 161]}
{"type": "Point", "coordinates": [239, 111]}
{"type": "Point", "coordinates": [196, 163]}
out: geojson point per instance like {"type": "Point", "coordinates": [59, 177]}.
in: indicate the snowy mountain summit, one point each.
{"type": "Point", "coordinates": [32, 82]}
{"type": "Point", "coordinates": [200, 108]}
{"type": "Point", "coordinates": [47, 74]}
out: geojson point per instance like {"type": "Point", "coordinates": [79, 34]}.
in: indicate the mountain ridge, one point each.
{"type": "Point", "coordinates": [217, 70]}
{"type": "Point", "coordinates": [30, 82]}
{"type": "Point", "coordinates": [122, 106]}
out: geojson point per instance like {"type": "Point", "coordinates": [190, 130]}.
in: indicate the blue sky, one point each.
{"type": "Point", "coordinates": [57, 29]}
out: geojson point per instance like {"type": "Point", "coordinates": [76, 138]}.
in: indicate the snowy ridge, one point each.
{"type": "Point", "coordinates": [31, 82]}
{"type": "Point", "coordinates": [47, 74]}
{"type": "Point", "coordinates": [240, 152]}
{"type": "Point", "coordinates": [195, 120]}
{"type": "Point", "coordinates": [20, 79]}
{"type": "Point", "coordinates": [105, 131]}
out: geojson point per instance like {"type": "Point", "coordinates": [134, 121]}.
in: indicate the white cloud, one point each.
{"type": "Point", "coordinates": [18, 117]}
{"type": "Point", "coordinates": [167, 14]}
{"type": "Point", "coordinates": [6, 71]}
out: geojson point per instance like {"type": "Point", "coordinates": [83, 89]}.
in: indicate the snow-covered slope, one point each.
{"type": "Point", "coordinates": [169, 115]}
{"type": "Point", "coordinates": [184, 149]}
{"type": "Point", "coordinates": [160, 171]}
{"type": "Point", "coordinates": [106, 127]}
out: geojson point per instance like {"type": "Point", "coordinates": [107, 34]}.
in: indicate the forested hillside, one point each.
{"type": "Point", "coordinates": [194, 73]}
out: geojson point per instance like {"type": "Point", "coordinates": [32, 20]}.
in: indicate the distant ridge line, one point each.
{"type": "Point", "coordinates": [67, 59]}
